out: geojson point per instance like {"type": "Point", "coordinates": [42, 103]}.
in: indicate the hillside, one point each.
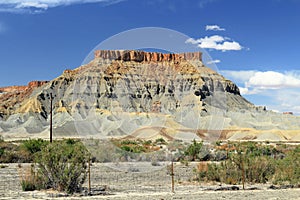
{"type": "Point", "coordinates": [140, 94]}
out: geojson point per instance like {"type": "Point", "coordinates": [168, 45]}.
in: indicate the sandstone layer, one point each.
{"type": "Point", "coordinates": [141, 56]}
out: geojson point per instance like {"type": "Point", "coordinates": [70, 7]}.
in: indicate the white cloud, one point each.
{"type": "Point", "coordinates": [239, 76]}
{"type": "Point", "coordinates": [258, 81]}
{"type": "Point", "coordinates": [243, 90]}
{"type": "Point", "coordinates": [23, 6]}
{"type": "Point", "coordinates": [36, 5]}
{"type": "Point", "coordinates": [191, 41]}
{"type": "Point", "coordinates": [213, 62]}
{"type": "Point", "coordinates": [293, 73]}
{"type": "Point", "coordinates": [281, 90]}
{"type": "Point", "coordinates": [272, 80]}
{"type": "Point", "coordinates": [216, 42]}
{"type": "Point", "coordinates": [214, 28]}
{"type": "Point", "coordinates": [287, 100]}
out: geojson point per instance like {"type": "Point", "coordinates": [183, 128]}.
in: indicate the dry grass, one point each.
{"type": "Point", "coordinates": [28, 178]}
{"type": "Point", "coordinates": [202, 167]}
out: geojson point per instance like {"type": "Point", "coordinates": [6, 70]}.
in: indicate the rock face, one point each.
{"type": "Point", "coordinates": [31, 85]}
{"type": "Point", "coordinates": [12, 89]}
{"type": "Point", "coordinates": [12, 96]}
{"type": "Point", "coordinates": [35, 84]}
{"type": "Point", "coordinates": [141, 56]}
{"type": "Point", "coordinates": [137, 93]}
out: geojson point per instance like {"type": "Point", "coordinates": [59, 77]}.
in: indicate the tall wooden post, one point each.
{"type": "Point", "coordinates": [89, 169]}
{"type": "Point", "coordinates": [243, 169]}
{"type": "Point", "coordinates": [51, 100]}
{"type": "Point", "coordinates": [243, 172]}
{"type": "Point", "coordinates": [172, 174]}
{"type": "Point", "coordinates": [240, 151]}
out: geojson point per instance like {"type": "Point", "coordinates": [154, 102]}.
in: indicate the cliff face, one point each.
{"type": "Point", "coordinates": [139, 81]}
{"type": "Point", "coordinates": [141, 56]}
{"type": "Point", "coordinates": [11, 97]}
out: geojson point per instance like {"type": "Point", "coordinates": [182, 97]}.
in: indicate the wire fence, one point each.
{"type": "Point", "coordinates": [102, 176]}
{"type": "Point", "coordinates": [10, 180]}
{"type": "Point", "coordinates": [115, 180]}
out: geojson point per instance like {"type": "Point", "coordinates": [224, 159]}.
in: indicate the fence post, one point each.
{"type": "Point", "coordinates": [51, 129]}
{"type": "Point", "coordinates": [172, 175]}
{"type": "Point", "coordinates": [89, 169]}
{"type": "Point", "coordinates": [243, 170]}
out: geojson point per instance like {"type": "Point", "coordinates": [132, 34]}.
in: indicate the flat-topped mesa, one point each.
{"type": "Point", "coordinates": [142, 56]}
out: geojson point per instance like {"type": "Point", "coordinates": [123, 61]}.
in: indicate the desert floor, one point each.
{"type": "Point", "coordinates": [143, 181]}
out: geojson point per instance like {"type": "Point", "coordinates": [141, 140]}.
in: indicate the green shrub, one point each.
{"type": "Point", "coordinates": [133, 148]}
{"type": "Point", "coordinates": [193, 150]}
{"type": "Point", "coordinates": [129, 142]}
{"type": "Point", "coordinates": [213, 173]}
{"type": "Point", "coordinates": [160, 141]}
{"type": "Point", "coordinates": [254, 149]}
{"type": "Point", "coordinates": [62, 166]}
{"type": "Point", "coordinates": [259, 169]}
{"type": "Point", "coordinates": [257, 164]}
{"type": "Point", "coordinates": [127, 148]}
{"type": "Point", "coordinates": [148, 142]}
{"type": "Point", "coordinates": [218, 143]}
{"type": "Point", "coordinates": [30, 180]}
{"type": "Point", "coordinates": [287, 170]}
{"type": "Point", "coordinates": [1, 151]}
{"type": "Point", "coordinates": [71, 141]}
{"type": "Point", "coordinates": [252, 162]}
{"type": "Point", "coordinates": [34, 145]}
{"type": "Point", "coordinates": [8, 157]}
{"type": "Point", "coordinates": [28, 185]}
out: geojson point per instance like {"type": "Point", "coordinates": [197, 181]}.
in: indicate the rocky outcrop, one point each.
{"type": "Point", "coordinates": [12, 89]}
{"type": "Point", "coordinates": [136, 81]}
{"type": "Point", "coordinates": [35, 84]}
{"type": "Point", "coordinates": [12, 96]}
{"type": "Point", "coordinates": [31, 85]}
{"type": "Point", "coordinates": [141, 56]}
{"type": "Point", "coordinates": [128, 92]}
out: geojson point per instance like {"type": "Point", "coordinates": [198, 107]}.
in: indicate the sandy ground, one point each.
{"type": "Point", "coordinates": [146, 182]}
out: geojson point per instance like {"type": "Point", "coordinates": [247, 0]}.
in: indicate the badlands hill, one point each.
{"type": "Point", "coordinates": [140, 94]}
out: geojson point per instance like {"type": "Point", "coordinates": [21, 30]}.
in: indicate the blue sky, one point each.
{"type": "Point", "coordinates": [255, 43]}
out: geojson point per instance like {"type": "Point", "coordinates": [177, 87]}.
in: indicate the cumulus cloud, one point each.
{"type": "Point", "coordinates": [253, 82]}
{"type": "Point", "coordinates": [272, 80]}
{"type": "Point", "coordinates": [36, 5]}
{"type": "Point", "coordinates": [214, 28]}
{"type": "Point", "coordinates": [213, 62]}
{"type": "Point", "coordinates": [238, 76]}
{"type": "Point", "coordinates": [287, 100]}
{"type": "Point", "coordinates": [243, 90]}
{"type": "Point", "coordinates": [280, 89]}
{"type": "Point", "coordinates": [216, 42]}
{"type": "Point", "coordinates": [23, 6]}
{"type": "Point", "coordinates": [293, 73]}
